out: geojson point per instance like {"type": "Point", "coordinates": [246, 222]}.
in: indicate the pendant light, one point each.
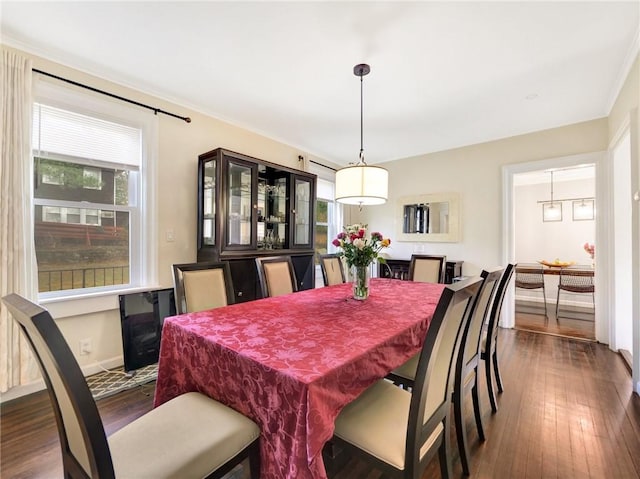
{"type": "Point", "coordinates": [552, 211]}
{"type": "Point", "coordinates": [361, 184]}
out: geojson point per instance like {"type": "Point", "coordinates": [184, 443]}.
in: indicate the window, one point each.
{"type": "Point", "coordinates": [89, 174]}
{"type": "Point", "coordinates": [322, 225]}
{"type": "Point", "coordinates": [92, 178]}
{"type": "Point", "coordinates": [53, 177]}
{"type": "Point", "coordinates": [327, 213]}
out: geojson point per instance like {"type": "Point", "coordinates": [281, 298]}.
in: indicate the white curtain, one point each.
{"type": "Point", "coordinates": [17, 262]}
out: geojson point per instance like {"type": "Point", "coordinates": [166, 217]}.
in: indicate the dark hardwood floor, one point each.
{"type": "Point", "coordinates": [573, 322]}
{"type": "Point", "coordinates": [568, 411]}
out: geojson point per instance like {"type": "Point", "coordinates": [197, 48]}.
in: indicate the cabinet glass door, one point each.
{"type": "Point", "coordinates": [239, 207]}
{"type": "Point", "coordinates": [303, 212]}
{"type": "Point", "coordinates": [209, 203]}
{"type": "Point", "coordinates": [273, 209]}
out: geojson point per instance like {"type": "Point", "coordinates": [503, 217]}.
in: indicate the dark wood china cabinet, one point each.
{"type": "Point", "coordinates": [248, 208]}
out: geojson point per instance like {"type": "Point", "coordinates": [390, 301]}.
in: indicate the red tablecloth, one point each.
{"type": "Point", "coordinates": [291, 363]}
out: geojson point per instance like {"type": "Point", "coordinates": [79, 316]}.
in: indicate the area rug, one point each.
{"type": "Point", "coordinates": [113, 381]}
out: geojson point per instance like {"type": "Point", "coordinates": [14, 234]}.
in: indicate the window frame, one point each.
{"type": "Point", "coordinates": [142, 205]}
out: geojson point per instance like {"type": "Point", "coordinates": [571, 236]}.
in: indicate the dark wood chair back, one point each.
{"type": "Point", "coordinates": [276, 275]}
{"type": "Point", "coordinates": [427, 268]}
{"type": "Point", "coordinates": [490, 346]}
{"type": "Point", "coordinates": [332, 269]}
{"type": "Point", "coordinates": [466, 366]}
{"type": "Point", "coordinates": [202, 286]}
{"type": "Point", "coordinates": [85, 451]}
{"type": "Point", "coordinates": [431, 397]}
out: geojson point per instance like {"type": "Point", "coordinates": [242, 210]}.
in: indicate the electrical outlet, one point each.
{"type": "Point", "coordinates": [85, 346]}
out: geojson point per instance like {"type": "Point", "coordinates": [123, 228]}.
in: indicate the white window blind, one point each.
{"type": "Point", "coordinates": [67, 133]}
{"type": "Point", "coordinates": [325, 189]}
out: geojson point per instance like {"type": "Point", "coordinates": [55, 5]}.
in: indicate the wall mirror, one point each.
{"type": "Point", "coordinates": [433, 217]}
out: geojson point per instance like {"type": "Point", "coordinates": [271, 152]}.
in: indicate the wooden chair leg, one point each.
{"type": "Point", "coordinates": [254, 460]}
{"type": "Point", "coordinates": [461, 430]}
{"type": "Point", "coordinates": [492, 396]}
{"type": "Point", "coordinates": [476, 408]}
{"type": "Point", "coordinates": [497, 370]}
{"type": "Point", "coordinates": [443, 451]}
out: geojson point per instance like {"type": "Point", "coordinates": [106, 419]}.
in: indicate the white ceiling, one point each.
{"type": "Point", "coordinates": [573, 173]}
{"type": "Point", "coordinates": [443, 74]}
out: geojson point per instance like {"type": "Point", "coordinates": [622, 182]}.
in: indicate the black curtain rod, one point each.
{"type": "Point", "coordinates": [87, 87]}
{"type": "Point", "coordinates": [320, 164]}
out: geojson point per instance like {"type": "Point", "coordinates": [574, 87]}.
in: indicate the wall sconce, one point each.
{"type": "Point", "coordinates": [583, 210]}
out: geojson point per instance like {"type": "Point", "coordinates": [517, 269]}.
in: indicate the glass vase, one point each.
{"type": "Point", "coordinates": [360, 277]}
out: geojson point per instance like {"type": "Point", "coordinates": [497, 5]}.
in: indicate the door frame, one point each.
{"type": "Point", "coordinates": [630, 125]}
{"type": "Point", "coordinates": [602, 204]}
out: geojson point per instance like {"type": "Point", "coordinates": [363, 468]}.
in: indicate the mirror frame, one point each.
{"type": "Point", "coordinates": [453, 236]}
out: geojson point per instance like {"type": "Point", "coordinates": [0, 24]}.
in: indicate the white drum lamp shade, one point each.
{"type": "Point", "coordinates": [362, 185]}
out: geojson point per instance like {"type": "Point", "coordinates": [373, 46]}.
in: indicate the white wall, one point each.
{"type": "Point", "coordinates": [475, 173]}
{"type": "Point", "coordinates": [179, 145]}
{"type": "Point", "coordinates": [537, 240]}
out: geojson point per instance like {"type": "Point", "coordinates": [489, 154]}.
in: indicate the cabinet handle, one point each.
{"type": "Point", "coordinates": [239, 293]}
{"type": "Point", "coordinates": [255, 207]}
{"type": "Point", "coordinates": [293, 211]}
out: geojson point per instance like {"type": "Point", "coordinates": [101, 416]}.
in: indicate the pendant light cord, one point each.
{"type": "Point", "coordinates": [361, 156]}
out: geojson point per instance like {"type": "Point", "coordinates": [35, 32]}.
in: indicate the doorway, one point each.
{"type": "Point", "coordinates": [509, 173]}
{"type": "Point", "coordinates": [554, 233]}
{"type": "Point", "coordinates": [622, 268]}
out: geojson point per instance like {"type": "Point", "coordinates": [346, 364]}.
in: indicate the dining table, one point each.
{"type": "Point", "coordinates": [292, 362]}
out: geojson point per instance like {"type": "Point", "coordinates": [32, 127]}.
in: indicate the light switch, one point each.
{"type": "Point", "coordinates": [170, 236]}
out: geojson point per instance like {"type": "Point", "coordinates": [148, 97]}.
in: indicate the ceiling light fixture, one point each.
{"type": "Point", "coordinates": [361, 184]}
{"type": "Point", "coordinates": [552, 211]}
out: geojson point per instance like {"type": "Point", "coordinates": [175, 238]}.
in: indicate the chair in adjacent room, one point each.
{"type": "Point", "coordinates": [191, 435]}
{"type": "Point", "coordinates": [489, 345]}
{"type": "Point", "coordinates": [202, 286]}
{"type": "Point", "coordinates": [276, 275]}
{"type": "Point", "coordinates": [332, 269]}
{"type": "Point", "coordinates": [400, 431]}
{"type": "Point", "coordinates": [531, 276]}
{"type": "Point", "coordinates": [427, 268]}
{"type": "Point", "coordinates": [576, 280]}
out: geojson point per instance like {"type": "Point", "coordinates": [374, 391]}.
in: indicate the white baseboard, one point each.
{"type": "Point", "coordinates": [552, 301]}
{"type": "Point", "coordinates": [38, 385]}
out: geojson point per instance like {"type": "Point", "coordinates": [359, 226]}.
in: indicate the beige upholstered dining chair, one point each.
{"type": "Point", "coordinates": [191, 435]}
{"type": "Point", "coordinates": [427, 268]}
{"type": "Point", "coordinates": [468, 361]}
{"type": "Point", "coordinates": [489, 342]}
{"type": "Point", "coordinates": [465, 366]}
{"type": "Point", "coordinates": [576, 280]}
{"type": "Point", "coordinates": [400, 431]}
{"type": "Point", "coordinates": [276, 275]}
{"type": "Point", "coordinates": [332, 269]}
{"type": "Point", "coordinates": [202, 286]}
